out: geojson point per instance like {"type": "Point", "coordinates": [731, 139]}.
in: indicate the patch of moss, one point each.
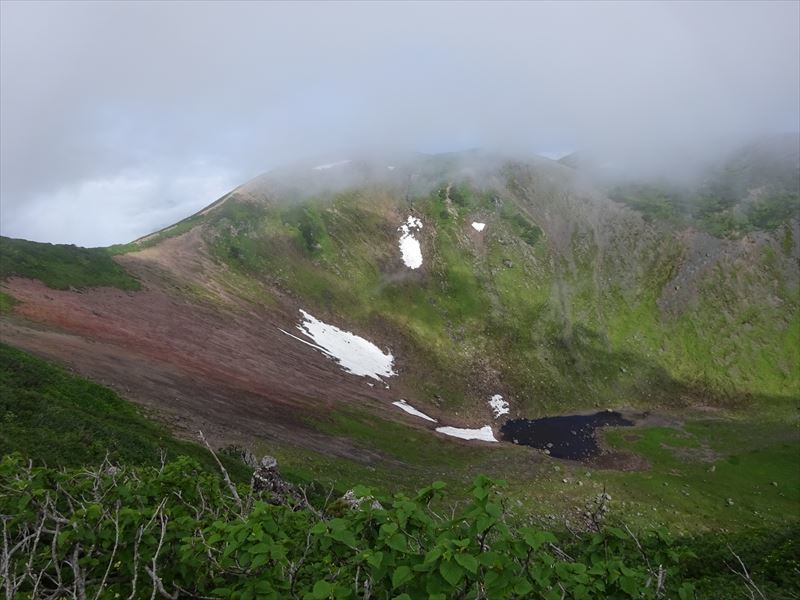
{"type": "Point", "coordinates": [57, 418]}
{"type": "Point", "coordinates": [62, 266]}
{"type": "Point", "coordinates": [7, 302]}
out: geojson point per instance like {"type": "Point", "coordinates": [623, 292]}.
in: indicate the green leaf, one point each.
{"type": "Point", "coordinates": [469, 562]}
{"type": "Point", "coordinates": [375, 559]}
{"type": "Point", "coordinates": [451, 571]}
{"type": "Point", "coordinates": [483, 522]}
{"type": "Point", "coordinates": [229, 549]}
{"type": "Point", "coordinates": [617, 533]}
{"type": "Point", "coordinates": [400, 576]}
{"type": "Point", "coordinates": [433, 555]}
{"type": "Point", "coordinates": [479, 493]}
{"type": "Point", "coordinates": [260, 549]}
{"type": "Point", "coordinates": [523, 587]}
{"type": "Point", "coordinates": [319, 528]}
{"type": "Point", "coordinates": [489, 558]}
{"type": "Point", "coordinates": [322, 590]}
{"type": "Point", "coordinates": [337, 524]}
{"type": "Point", "coordinates": [345, 537]}
{"type": "Point", "coordinates": [259, 561]}
{"type": "Point", "coordinates": [492, 579]}
{"type": "Point", "coordinates": [398, 542]}
{"type": "Point", "coordinates": [628, 585]}
{"type": "Point", "coordinates": [686, 591]}
{"type": "Point", "coordinates": [23, 502]}
{"type": "Point", "coordinates": [580, 592]}
{"type": "Point", "coordinates": [362, 491]}
{"type": "Point", "coordinates": [536, 539]}
{"type": "Point", "coordinates": [214, 539]}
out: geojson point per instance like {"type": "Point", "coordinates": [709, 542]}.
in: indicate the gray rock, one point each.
{"type": "Point", "coordinates": [267, 479]}
{"type": "Point", "coordinates": [355, 503]}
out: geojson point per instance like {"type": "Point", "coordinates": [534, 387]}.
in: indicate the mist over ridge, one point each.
{"type": "Point", "coordinates": [139, 114]}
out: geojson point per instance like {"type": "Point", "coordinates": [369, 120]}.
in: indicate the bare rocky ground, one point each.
{"type": "Point", "coordinates": [223, 366]}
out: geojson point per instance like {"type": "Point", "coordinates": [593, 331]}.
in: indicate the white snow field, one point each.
{"type": "Point", "coordinates": [409, 245]}
{"type": "Point", "coordinates": [485, 433]}
{"type": "Point", "coordinates": [403, 405]}
{"type": "Point", "coordinates": [355, 354]}
{"type": "Point", "coordinates": [499, 406]}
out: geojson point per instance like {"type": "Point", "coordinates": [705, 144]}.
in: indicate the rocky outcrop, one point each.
{"type": "Point", "coordinates": [267, 479]}
{"type": "Point", "coordinates": [353, 502]}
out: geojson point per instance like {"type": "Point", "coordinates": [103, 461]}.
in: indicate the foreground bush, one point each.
{"type": "Point", "coordinates": [179, 531]}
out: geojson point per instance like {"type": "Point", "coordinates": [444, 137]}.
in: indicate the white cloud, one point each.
{"type": "Point", "coordinates": [105, 211]}
{"type": "Point", "coordinates": [100, 97]}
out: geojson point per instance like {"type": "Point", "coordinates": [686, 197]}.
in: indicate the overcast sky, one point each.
{"type": "Point", "coordinates": [117, 119]}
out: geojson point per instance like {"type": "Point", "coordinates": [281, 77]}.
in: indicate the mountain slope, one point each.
{"type": "Point", "coordinates": [564, 301]}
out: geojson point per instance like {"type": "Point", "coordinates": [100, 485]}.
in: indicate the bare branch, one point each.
{"type": "Point", "coordinates": [745, 575]}
{"type": "Point", "coordinates": [228, 481]}
{"type": "Point", "coordinates": [113, 554]}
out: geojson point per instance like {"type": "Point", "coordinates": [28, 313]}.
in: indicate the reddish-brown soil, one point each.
{"type": "Point", "coordinates": [222, 365]}
{"type": "Point", "coordinates": [619, 461]}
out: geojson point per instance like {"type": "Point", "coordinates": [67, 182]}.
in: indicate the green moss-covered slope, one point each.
{"type": "Point", "coordinates": [62, 266]}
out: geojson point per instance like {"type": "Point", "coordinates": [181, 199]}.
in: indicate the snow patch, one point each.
{"type": "Point", "coordinates": [499, 406]}
{"type": "Point", "coordinates": [403, 405]}
{"type": "Point", "coordinates": [355, 354]}
{"type": "Point", "coordinates": [330, 165]}
{"type": "Point", "coordinates": [485, 433]}
{"type": "Point", "coordinates": [478, 226]}
{"type": "Point", "coordinates": [409, 245]}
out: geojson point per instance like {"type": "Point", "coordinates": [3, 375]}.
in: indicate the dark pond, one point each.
{"type": "Point", "coordinates": [571, 437]}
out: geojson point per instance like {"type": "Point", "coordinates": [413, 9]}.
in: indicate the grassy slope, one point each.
{"type": "Point", "coordinates": [469, 310]}
{"type": "Point", "coordinates": [715, 471]}
{"type": "Point", "coordinates": [62, 266]}
{"type": "Point", "coordinates": [609, 344]}
{"type": "Point", "coordinates": [60, 419]}
{"type": "Point", "coordinates": [694, 469]}
{"type": "Point", "coordinates": [54, 417]}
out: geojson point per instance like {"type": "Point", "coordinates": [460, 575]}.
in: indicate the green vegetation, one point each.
{"type": "Point", "coordinates": [329, 251]}
{"type": "Point", "coordinates": [62, 266]}
{"type": "Point", "coordinates": [585, 315]}
{"type": "Point", "coordinates": [652, 203]}
{"type": "Point", "coordinates": [153, 239]}
{"type": "Point", "coordinates": [7, 302]}
{"type": "Point", "coordinates": [538, 316]}
{"type": "Point", "coordinates": [52, 416]}
{"type": "Point", "coordinates": [522, 227]}
{"type": "Point", "coordinates": [716, 210]}
{"type": "Point", "coordinates": [772, 212]}
{"type": "Point", "coordinates": [178, 530]}
{"type": "Point", "coordinates": [709, 474]}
